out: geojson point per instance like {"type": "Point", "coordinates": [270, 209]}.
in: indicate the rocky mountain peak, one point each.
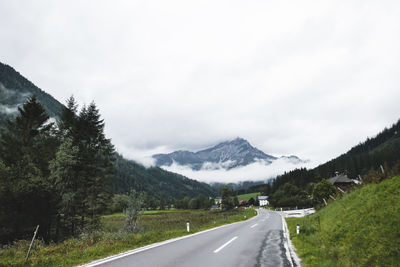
{"type": "Point", "coordinates": [229, 154]}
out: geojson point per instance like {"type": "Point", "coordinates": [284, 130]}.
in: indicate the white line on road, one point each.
{"type": "Point", "coordinates": [151, 246]}
{"type": "Point", "coordinates": [254, 225]}
{"type": "Point", "coordinates": [224, 245]}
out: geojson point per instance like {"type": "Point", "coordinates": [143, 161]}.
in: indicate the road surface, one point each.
{"type": "Point", "coordinates": [256, 242]}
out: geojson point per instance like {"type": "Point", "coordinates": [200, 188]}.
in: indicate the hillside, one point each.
{"type": "Point", "coordinates": [383, 149]}
{"type": "Point", "coordinates": [361, 229]}
{"type": "Point", "coordinates": [155, 181]}
{"type": "Point", "coordinates": [16, 89]}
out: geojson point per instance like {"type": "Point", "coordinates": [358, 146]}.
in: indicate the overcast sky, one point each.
{"type": "Point", "coordinates": [309, 78]}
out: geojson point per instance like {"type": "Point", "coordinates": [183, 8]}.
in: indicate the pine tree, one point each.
{"type": "Point", "coordinates": [68, 120]}
{"type": "Point", "coordinates": [26, 146]}
{"type": "Point", "coordinates": [95, 157]}
{"type": "Point", "coordinates": [64, 176]}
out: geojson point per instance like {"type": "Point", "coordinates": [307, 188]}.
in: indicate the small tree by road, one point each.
{"type": "Point", "coordinates": [133, 211]}
{"type": "Point", "coordinates": [322, 191]}
{"type": "Point", "coordinates": [226, 198]}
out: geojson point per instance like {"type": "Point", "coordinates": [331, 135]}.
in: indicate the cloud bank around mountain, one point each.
{"type": "Point", "coordinates": [257, 171]}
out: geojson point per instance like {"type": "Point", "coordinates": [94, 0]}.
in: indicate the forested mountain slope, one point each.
{"type": "Point", "coordinates": [16, 89]}
{"type": "Point", "coordinates": [383, 149]}
{"type": "Point", "coordinates": [156, 181]}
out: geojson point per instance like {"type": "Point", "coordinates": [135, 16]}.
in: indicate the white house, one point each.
{"type": "Point", "coordinates": [263, 200]}
{"type": "Point", "coordinates": [217, 200]}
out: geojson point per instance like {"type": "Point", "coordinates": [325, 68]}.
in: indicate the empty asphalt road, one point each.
{"type": "Point", "coordinates": [255, 242]}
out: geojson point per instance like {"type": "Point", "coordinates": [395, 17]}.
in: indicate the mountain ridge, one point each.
{"type": "Point", "coordinates": [15, 89]}
{"type": "Point", "coordinates": [228, 155]}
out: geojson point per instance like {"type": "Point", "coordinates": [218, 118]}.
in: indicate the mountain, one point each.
{"type": "Point", "coordinates": [16, 89]}
{"type": "Point", "coordinates": [226, 155]}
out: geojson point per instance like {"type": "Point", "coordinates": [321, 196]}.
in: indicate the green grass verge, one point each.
{"type": "Point", "coordinates": [153, 228]}
{"type": "Point", "coordinates": [246, 197]}
{"type": "Point", "coordinates": [361, 229]}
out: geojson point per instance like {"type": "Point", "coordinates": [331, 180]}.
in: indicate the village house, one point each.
{"type": "Point", "coordinates": [341, 181]}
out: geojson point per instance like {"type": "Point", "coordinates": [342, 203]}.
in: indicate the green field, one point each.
{"type": "Point", "coordinates": [121, 214]}
{"type": "Point", "coordinates": [361, 229]}
{"type": "Point", "coordinates": [246, 197]}
{"type": "Point", "coordinates": [154, 227]}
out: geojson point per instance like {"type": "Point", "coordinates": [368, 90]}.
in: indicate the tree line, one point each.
{"type": "Point", "coordinates": [56, 175]}
{"type": "Point", "coordinates": [364, 160]}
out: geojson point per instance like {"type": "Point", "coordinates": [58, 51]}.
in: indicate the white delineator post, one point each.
{"type": "Point", "coordinates": [188, 226]}
{"type": "Point", "coordinates": [298, 229]}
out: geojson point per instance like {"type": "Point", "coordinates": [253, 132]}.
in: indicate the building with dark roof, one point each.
{"type": "Point", "coordinates": [341, 181]}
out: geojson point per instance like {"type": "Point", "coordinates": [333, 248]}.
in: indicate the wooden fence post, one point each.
{"type": "Point", "coordinates": [30, 247]}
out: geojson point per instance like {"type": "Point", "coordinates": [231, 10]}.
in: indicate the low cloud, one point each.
{"type": "Point", "coordinates": [8, 109]}
{"type": "Point", "coordinates": [257, 171]}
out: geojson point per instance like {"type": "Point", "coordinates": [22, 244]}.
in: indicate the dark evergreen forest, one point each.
{"type": "Point", "coordinates": [63, 175]}
{"type": "Point", "coordinates": [363, 160]}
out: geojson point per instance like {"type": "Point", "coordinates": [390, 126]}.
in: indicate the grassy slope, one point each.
{"type": "Point", "coordinates": [361, 229]}
{"type": "Point", "coordinates": [154, 228]}
{"type": "Point", "coordinates": [246, 197]}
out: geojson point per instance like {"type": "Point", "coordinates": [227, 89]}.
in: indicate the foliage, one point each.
{"type": "Point", "coordinates": [66, 184]}
{"type": "Point", "coordinates": [323, 190]}
{"type": "Point", "coordinates": [133, 211]}
{"type": "Point", "coordinates": [251, 201]}
{"type": "Point", "coordinates": [156, 182]}
{"type": "Point", "coordinates": [119, 203]}
{"type": "Point", "coordinates": [363, 159]}
{"type": "Point", "coordinates": [235, 201]}
{"type": "Point", "coordinates": [226, 198]}
{"type": "Point", "coordinates": [360, 229]}
{"type": "Point", "coordinates": [51, 176]}
{"type": "Point", "coordinates": [27, 197]}
{"type": "Point", "coordinates": [199, 202]}
{"type": "Point", "coordinates": [290, 195]}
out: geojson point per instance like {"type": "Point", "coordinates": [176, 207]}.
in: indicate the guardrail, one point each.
{"type": "Point", "coordinates": [298, 213]}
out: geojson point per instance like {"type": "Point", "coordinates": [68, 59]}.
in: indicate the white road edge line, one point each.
{"type": "Point", "coordinates": [290, 250]}
{"type": "Point", "coordinates": [224, 245]}
{"type": "Point", "coordinates": [137, 250]}
{"type": "Point", "coordinates": [254, 225]}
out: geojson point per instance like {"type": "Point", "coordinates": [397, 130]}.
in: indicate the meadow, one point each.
{"type": "Point", "coordinates": [246, 197]}
{"type": "Point", "coordinates": [154, 226]}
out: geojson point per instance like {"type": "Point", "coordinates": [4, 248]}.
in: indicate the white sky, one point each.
{"type": "Point", "coordinates": [309, 78]}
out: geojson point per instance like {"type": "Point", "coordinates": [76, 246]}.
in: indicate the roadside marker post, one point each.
{"type": "Point", "coordinates": [188, 226]}
{"type": "Point", "coordinates": [298, 229]}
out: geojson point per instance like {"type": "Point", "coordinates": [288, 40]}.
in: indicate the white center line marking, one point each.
{"type": "Point", "coordinates": [224, 245]}
{"type": "Point", "coordinates": [254, 225]}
